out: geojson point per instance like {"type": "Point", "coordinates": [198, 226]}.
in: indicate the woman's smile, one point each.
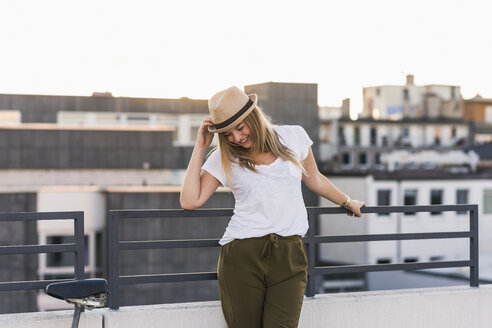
{"type": "Point", "coordinates": [239, 135]}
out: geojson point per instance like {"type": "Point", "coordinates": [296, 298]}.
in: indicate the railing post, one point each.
{"type": "Point", "coordinates": [113, 251]}
{"type": "Point", "coordinates": [311, 248]}
{"type": "Point", "coordinates": [79, 241]}
{"type": "Point", "coordinates": [474, 277]}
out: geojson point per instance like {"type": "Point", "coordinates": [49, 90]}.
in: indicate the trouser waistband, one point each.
{"type": "Point", "coordinates": [272, 240]}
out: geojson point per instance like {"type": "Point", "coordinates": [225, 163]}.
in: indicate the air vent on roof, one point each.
{"type": "Point", "coordinates": [102, 94]}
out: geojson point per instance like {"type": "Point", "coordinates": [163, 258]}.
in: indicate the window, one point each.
{"type": "Point", "coordinates": [341, 136]}
{"type": "Point", "coordinates": [356, 136]}
{"type": "Point", "coordinates": [487, 201]}
{"type": "Point", "coordinates": [410, 198]}
{"type": "Point", "coordinates": [373, 136]}
{"type": "Point", "coordinates": [405, 94]}
{"type": "Point", "coordinates": [384, 260]}
{"type": "Point", "coordinates": [437, 136]}
{"type": "Point", "coordinates": [488, 114]}
{"type": "Point", "coordinates": [57, 260]}
{"type": "Point", "coordinates": [461, 198]}
{"type": "Point", "coordinates": [384, 199]}
{"type": "Point", "coordinates": [453, 132]}
{"type": "Point", "coordinates": [405, 132]}
{"type": "Point", "coordinates": [363, 159]}
{"type": "Point", "coordinates": [377, 159]}
{"type": "Point", "coordinates": [436, 199]}
{"type": "Point", "coordinates": [10, 116]}
{"type": "Point", "coordinates": [346, 159]}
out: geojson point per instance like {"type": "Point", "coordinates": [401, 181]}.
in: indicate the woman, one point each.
{"type": "Point", "coordinates": [262, 267]}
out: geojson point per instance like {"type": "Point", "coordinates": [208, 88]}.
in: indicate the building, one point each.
{"type": "Point", "coordinates": [394, 102]}
{"type": "Point", "coordinates": [478, 111]}
{"type": "Point", "coordinates": [358, 145]}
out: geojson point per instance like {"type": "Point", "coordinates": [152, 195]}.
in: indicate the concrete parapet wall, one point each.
{"type": "Point", "coordinates": [55, 319]}
{"type": "Point", "coordinates": [448, 307]}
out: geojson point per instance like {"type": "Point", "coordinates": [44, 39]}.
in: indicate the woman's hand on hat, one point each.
{"type": "Point", "coordinates": [354, 208]}
{"type": "Point", "coordinates": [205, 137]}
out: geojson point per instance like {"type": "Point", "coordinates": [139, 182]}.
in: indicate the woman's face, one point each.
{"type": "Point", "coordinates": [239, 135]}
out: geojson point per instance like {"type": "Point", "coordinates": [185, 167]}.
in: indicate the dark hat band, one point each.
{"type": "Point", "coordinates": [235, 116]}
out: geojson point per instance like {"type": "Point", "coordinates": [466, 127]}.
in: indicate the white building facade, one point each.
{"type": "Point", "coordinates": [394, 102]}
{"type": "Point", "coordinates": [358, 145]}
{"type": "Point", "coordinates": [398, 189]}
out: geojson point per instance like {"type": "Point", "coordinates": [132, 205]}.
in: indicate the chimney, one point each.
{"type": "Point", "coordinates": [346, 107]}
{"type": "Point", "coordinates": [409, 79]}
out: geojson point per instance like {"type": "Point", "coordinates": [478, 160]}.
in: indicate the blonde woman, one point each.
{"type": "Point", "coordinates": [262, 267]}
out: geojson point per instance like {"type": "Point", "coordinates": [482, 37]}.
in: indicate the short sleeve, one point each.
{"type": "Point", "coordinates": [296, 138]}
{"type": "Point", "coordinates": [213, 166]}
{"type": "Point", "coordinates": [303, 141]}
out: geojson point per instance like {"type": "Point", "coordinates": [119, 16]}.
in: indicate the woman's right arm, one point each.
{"type": "Point", "coordinates": [198, 186]}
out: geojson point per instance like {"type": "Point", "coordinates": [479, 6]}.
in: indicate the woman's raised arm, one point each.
{"type": "Point", "coordinates": [198, 186]}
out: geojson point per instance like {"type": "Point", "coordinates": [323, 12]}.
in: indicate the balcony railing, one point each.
{"type": "Point", "coordinates": [310, 240]}
{"type": "Point", "coordinates": [77, 247]}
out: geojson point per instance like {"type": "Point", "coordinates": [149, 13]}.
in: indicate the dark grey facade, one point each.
{"type": "Point", "coordinates": [20, 267]}
{"type": "Point", "coordinates": [44, 109]}
{"type": "Point", "coordinates": [31, 148]}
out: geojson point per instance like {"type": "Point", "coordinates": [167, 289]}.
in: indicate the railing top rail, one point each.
{"type": "Point", "coordinates": [34, 216]}
{"type": "Point", "coordinates": [203, 212]}
{"type": "Point", "coordinates": [396, 209]}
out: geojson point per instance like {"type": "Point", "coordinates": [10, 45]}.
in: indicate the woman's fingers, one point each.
{"type": "Point", "coordinates": [205, 137]}
{"type": "Point", "coordinates": [355, 207]}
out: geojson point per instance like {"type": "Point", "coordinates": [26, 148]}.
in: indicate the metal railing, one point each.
{"type": "Point", "coordinates": [310, 240]}
{"type": "Point", "coordinates": [77, 247]}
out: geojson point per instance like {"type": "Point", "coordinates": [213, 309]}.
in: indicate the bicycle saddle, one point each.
{"type": "Point", "coordinates": [88, 292]}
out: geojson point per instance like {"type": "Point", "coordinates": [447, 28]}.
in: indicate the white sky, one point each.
{"type": "Point", "coordinates": [171, 49]}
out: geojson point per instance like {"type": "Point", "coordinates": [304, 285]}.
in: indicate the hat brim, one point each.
{"type": "Point", "coordinates": [254, 98]}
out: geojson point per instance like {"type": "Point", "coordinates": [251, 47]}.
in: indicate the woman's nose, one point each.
{"type": "Point", "coordinates": [237, 136]}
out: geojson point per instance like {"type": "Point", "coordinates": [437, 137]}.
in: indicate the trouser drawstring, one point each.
{"type": "Point", "coordinates": [271, 241]}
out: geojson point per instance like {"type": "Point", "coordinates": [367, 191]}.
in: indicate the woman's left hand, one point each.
{"type": "Point", "coordinates": [354, 208]}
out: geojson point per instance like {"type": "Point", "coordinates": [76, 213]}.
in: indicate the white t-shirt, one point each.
{"type": "Point", "coordinates": [269, 200]}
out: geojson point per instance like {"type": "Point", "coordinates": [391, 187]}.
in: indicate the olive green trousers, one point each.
{"type": "Point", "coordinates": [262, 281]}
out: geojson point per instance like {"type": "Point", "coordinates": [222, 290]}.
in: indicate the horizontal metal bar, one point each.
{"type": "Point", "coordinates": [37, 249]}
{"type": "Point", "coordinates": [394, 236]}
{"type": "Point", "coordinates": [389, 267]}
{"type": "Point", "coordinates": [28, 285]}
{"type": "Point", "coordinates": [394, 209]}
{"type": "Point", "coordinates": [34, 216]}
{"type": "Point", "coordinates": [168, 277]}
{"type": "Point", "coordinates": [138, 214]}
{"type": "Point", "coordinates": [157, 244]}
{"type": "Point", "coordinates": [178, 213]}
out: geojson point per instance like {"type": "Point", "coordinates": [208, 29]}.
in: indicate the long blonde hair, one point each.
{"type": "Point", "coordinates": [263, 139]}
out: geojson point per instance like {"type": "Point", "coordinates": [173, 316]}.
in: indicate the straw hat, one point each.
{"type": "Point", "coordinates": [229, 107]}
